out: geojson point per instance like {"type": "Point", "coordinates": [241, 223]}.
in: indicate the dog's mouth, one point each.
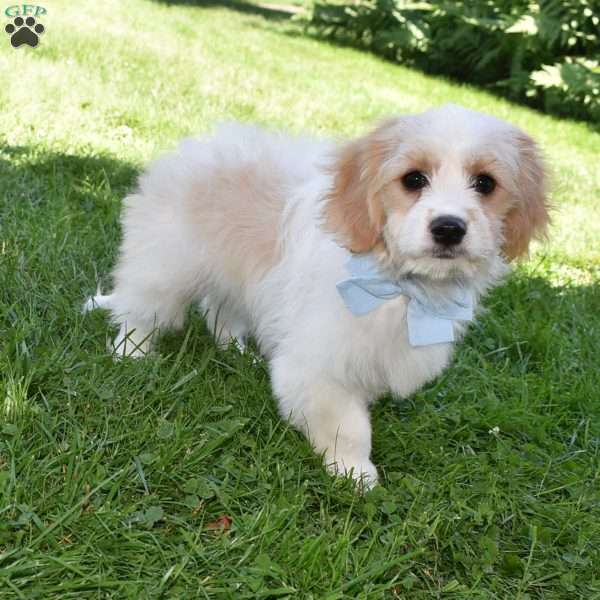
{"type": "Point", "coordinates": [446, 253]}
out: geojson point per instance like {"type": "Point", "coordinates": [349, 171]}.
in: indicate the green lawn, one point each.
{"type": "Point", "coordinates": [113, 476]}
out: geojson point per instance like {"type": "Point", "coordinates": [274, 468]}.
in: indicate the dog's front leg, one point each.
{"type": "Point", "coordinates": [335, 420]}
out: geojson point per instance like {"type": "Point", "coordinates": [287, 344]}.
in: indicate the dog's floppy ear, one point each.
{"type": "Point", "coordinates": [353, 211]}
{"type": "Point", "coordinates": [528, 219]}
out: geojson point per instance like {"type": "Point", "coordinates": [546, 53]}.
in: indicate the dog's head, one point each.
{"type": "Point", "coordinates": [441, 194]}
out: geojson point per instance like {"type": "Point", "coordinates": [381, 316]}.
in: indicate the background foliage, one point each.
{"type": "Point", "coordinates": [543, 53]}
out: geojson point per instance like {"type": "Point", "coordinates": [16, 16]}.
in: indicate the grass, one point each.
{"type": "Point", "coordinates": [173, 477]}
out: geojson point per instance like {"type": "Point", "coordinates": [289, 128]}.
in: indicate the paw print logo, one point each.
{"type": "Point", "coordinates": [24, 31]}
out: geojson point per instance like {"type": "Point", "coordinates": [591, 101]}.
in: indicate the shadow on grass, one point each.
{"type": "Point", "coordinates": [276, 12]}
{"type": "Point", "coordinates": [25, 168]}
{"type": "Point", "coordinates": [58, 209]}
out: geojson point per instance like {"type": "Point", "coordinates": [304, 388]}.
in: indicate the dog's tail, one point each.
{"type": "Point", "coordinates": [98, 301]}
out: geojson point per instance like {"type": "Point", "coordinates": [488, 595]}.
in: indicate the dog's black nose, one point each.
{"type": "Point", "coordinates": [448, 230]}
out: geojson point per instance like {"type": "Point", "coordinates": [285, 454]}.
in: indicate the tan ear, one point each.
{"type": "Point", "coordinates": [353, 211]}
{"type": "Point", "coordinates": [529, 218]}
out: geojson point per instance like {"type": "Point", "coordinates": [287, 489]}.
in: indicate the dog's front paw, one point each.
{"type": "Point", "coordinates": [363, 471]}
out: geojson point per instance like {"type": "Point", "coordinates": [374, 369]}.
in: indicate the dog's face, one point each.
{"type": "Point", "coordinates": [441, 194]}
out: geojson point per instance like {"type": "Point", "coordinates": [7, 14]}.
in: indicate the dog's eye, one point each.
{"type": "Point", "coordinates": [414, 181]}
{"type": "Point", "coordinates": [484, 184]}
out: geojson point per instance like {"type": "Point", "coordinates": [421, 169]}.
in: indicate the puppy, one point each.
{"type": "Point", "coordinates": [355, 268]}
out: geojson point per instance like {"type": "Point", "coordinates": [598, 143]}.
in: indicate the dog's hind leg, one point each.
{"type": "Point", "coordinates": [135, 335]}
{"type": "Point", "coordinates": [224, 322]}
{"type": "Point", "coordinates": [155, 278]}
{"type": "Point", "coordinates": [145, 306]}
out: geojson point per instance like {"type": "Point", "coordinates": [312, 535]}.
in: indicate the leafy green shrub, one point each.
{"type": "Point", "coordinates": [544, 53]}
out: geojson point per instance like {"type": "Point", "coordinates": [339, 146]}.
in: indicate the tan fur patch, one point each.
{"type": "Point", "coordinates": [241, 212]}
{"type": "Point", "coordinates": [354, 210]}
{"type": "Point", "coordinates": [528, 219]}
{"type": "Point", "coordinates": [396, 199]}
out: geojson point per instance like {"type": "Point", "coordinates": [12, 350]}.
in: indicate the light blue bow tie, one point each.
{"type": "Point", "coordinates": [430, 313]}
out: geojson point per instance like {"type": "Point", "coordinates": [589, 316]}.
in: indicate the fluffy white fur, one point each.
{"type": "Point", "coordinates": [258, 227]}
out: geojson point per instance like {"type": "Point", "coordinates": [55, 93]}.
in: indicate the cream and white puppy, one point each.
{"type": "Point", "coordinates": [259, 227]}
